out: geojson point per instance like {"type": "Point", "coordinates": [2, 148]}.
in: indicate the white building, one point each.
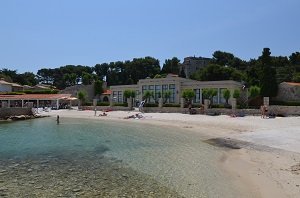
{"type": "Point", "coordinates": [5, 86]}
{"type": "Point", "coordinates": [175, 85]}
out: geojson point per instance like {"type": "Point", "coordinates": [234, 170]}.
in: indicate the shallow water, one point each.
{"type": "Point", "coordinates": [93, 158]}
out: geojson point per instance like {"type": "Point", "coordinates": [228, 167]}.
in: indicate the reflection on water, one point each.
{"type": "Point", "coordinates": [89, 158]}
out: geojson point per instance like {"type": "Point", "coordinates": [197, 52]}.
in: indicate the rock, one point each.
{"type": "Point", "coordinates": [76, 190]}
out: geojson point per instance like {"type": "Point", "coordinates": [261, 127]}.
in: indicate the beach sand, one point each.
{"type": "Point", "coordinates": [261, 156]}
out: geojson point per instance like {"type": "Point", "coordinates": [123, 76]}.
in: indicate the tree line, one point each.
{"type": "Point", "coordinates": [266, 71]}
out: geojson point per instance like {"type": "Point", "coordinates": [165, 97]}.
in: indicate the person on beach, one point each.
{"type": "Point", "coordinates": [103, 114]}
{"type": "Point", "coordinates": [57, 119]}
{"type": "Point", "coordinates": [263, 111]}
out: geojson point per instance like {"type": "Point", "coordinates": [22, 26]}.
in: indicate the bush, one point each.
{"type": "Point", "coordinates": [102, 103]}
{"type": "Point", "coordinates": [217, 106]}
{"type": "Point", "coordinates": [88, 104]}
{"type": "Point", "coordinates": [285, 103]}
{"type": "Point", "coordinates": [121, 104]}
{"type": "Point", "coordinates": [48, 91]}
{"type": "Point", "coordinates": [171, 105]}
{"type": "Point", "coordinates": [150, 105]}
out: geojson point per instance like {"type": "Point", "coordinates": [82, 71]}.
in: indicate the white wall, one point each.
{"type": "Point", "coordinates": [5, 88]}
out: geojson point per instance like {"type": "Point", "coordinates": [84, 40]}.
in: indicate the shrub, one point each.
{"type": "Point", "coordinates": [102, 103]}
{"type": "Point", "coordinates": [121, 104]}
{"type": "Point", "coordinates": [217, 106]}
{"type": "Point", "coordinates": [150, 105]}
{"type": "Point", "coordinates": [285, 103]}
{"type": "Point", "coordinates": [171, 105]}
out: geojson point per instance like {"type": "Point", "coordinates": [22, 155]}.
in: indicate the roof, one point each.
{"type": "Point", "coordinates": [4, 82]}
{"type": "Point", "coordinates": [292, 83]}
{"type": "Point", "coordinates": [36, 97]}
{"type": "Point", "coordinates": [15, 85]}
{"type": "Point", "coordinates": [107, 92]}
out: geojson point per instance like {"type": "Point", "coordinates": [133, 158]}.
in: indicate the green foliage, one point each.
{"type": "Point", "coordinates": [226, 95]}
{"type": "Point", "coordinates": [98, 87]}
{"type": "Point", "coordinates": [148, 95]}
{"type": "Point", "coordinates": [48, 91]}
{"type": "Point", "coordinates": [129, 93]}
{"type": "Point", "coordinates": [285, 103]}
{"type": "Point", "coordinates": [166, 96]}
{"type": "Point", "coordinates": [182, 73]}
{"type": "Point", "coordinates": [296, 77]}
{"type": "Point", "coordinates": [171, 66]}
{"type": "Point", "coordinates": [103, 104]}
{"type": "Point", "coordinates": [215, 72]}
{"type": "Point", "coordinates": [121, 104]}
{"type": "Point", "coordinates": [236, 93]}
{"type": "Point", "coordinates": [209, 94]}
{"type": "Point", "coordinates": [254, 91]}
{"type": "Point", "coordinates": [82, 96]}
{"type": "Point", "coordinates": [150, 105]}
{"type": "Point", "coordinates": [157, 76]}
{"type": "Point", "coordinates": [171, 105]}
{"type": "Point", "coordinates": [188, 94]}
{"type": "Point", "coordinates": [268, 83]}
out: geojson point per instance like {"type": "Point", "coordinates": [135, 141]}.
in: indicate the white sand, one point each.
{"type": "Point", "coordinates": [264, 168]}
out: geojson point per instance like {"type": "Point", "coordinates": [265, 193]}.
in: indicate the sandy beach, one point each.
{"type": "Point", "coordinates": [261, 156]}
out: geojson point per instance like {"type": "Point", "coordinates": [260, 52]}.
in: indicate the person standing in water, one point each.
{"type": "Point", "coordinates": [57, 119]}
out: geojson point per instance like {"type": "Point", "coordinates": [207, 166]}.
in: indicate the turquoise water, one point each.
{"type": "Point", "coordinates": [96, 158]}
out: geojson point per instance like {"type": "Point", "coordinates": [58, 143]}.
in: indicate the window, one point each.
{"type": "Point", "coordinates": [115, 94]}
{"type": "Point", "coordinates": [197, 98]}
{"type": "Point", "coordinates": [157, 94]}
{"type": "Point", "coordinates": [120, 94]}
{"type": "Point", "coordinates": [144, 88]}
{"type": "Point", "coordinates": [172, 90]}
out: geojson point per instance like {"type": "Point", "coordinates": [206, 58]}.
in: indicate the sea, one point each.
{"type": "Point", "coordinates": [100, 158]}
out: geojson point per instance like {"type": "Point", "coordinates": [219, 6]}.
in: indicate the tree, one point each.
{"type": "Point", "coordinates": [87, 78]}
{"type": "Point", "coordinates": [188, 95]}
{"type": "Point", "coordinates": [166, 96]}
{"type": "Point", "coordinates": [98, 87]}
{"type": "Point", "coordinates": [209, 94]}
{"type": "Point", "coordinates": [171, 66]}
{"type": "Point", "coordinates": [215, 72]}
{"type": "Point", "coordinates": [254, 91]}
{"type": "Point", "coordinates": [129, 93]}
{"type": "Point", "coordinates": [82, 97]}
{"type": "Point", "coordinates": [226, 95]}
{"type": "Point", "coordinates": [268, 82]}
{"type": "Point", "coordinates": [296, 77]}
{"type": "Point", "coordinates": [182, 73]}
{"type": "Point", "coordinates": [236, 93]}
{"type": "Point", "coordinates": [148, 95]}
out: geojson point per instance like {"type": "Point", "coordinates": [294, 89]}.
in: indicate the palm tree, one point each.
{"type": "Point", "coordinates": [82, 97]}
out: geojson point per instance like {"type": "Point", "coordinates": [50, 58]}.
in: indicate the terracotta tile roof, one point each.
{"type": "Point", "coordinates": [107, 92]}
{"type": "Point", "coordinates": [35, 97]}
{"type": "Point", "coordinates": [293, 83]}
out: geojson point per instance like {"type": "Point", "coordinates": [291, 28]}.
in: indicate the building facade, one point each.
{"type": "Point", "coordinates": [192, 64]}
{"type": "Point", "coordinates": [175, 85]}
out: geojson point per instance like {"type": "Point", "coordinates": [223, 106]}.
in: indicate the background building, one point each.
{"type": "Point", "coordinates": [192, 64]}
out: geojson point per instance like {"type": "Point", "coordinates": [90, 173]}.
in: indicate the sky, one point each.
{"type": "Point", "coordinates": [37, 34]}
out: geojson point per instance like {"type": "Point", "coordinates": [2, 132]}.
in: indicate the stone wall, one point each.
{"type": "Point", "coordinates": [284, 110]}
{"type": "Point", "coordinates": [288, 92]}
{"type": "Point", "coordinates": [6, 112]}
{"type": "Point", "coordinates": [73, 90]}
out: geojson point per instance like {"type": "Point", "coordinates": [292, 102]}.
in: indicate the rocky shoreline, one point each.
{"type": "Point", "coordinates": [22, 117]}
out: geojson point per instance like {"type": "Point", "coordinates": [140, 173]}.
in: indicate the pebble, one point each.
{"type": "Point", "coordinates": [76, 190]}
{"type": "Point", "coordinates": [29, 170]}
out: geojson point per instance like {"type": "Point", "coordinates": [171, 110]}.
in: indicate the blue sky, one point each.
{"type": "Point", "coordinates": [37, 34]}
